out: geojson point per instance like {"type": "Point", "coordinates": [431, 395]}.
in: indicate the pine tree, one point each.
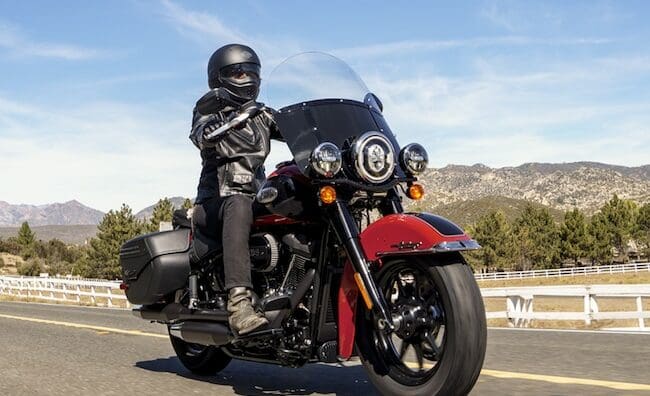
{"type": "Point", "coordinates": [537, 237]}
{"type": "Point", "coordinates": [25, 236]}
{"type": "Point", "coordinates": [574, 239]}
{"type": "Point", "coordinates": [494, 234]}
{"type": "Point", "coordinates": [642, 231]}
{"type": "Point", "coordinates": [187, 204]}
{"type": "Point", "coordinates": [115, 228]}
{"type": "Point", "coordinates": [619, 216]}
{"type": "Point", "coordinates": [163, 211]}
{"type": "Point", "coordinates": [600, 243]}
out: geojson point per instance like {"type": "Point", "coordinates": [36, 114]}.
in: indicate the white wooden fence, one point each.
{"type": "Point", "coordinates": [91, 291]}
{"type": "Point", "coordinates": [576, 271]}
{"type": "Point", "coordinates": [519, 303]}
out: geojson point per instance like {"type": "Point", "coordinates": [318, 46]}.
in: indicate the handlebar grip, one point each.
{"type": "Point", "coordinates": [228, 125]}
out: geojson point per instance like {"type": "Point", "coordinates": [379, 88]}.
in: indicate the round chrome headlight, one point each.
{"type": "Point", "coordinates": [326, 159]}
{"type": "Point", "coordinates": [414, 158]}
{"type": "Point", "coordinates": [374, 157]}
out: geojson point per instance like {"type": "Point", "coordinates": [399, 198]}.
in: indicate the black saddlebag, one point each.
{"type": "Point", "coordinates": [155, 265]}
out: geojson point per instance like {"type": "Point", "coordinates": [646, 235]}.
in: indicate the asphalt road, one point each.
{"type": "Point", "coordinates": [62, 350]}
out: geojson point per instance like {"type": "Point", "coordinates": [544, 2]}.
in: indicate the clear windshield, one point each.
{"type": "Point", "coordinates": [311, 76]}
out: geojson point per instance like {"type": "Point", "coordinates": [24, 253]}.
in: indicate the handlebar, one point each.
{"type": "Point", "coordinates": [241, 117]}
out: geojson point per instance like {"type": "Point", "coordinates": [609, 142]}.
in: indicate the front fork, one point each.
{"type": "Point", "coordinates": [348, 233]}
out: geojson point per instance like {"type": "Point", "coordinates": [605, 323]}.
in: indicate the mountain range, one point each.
{"type": "Point", "coordinates": [460, 192]}
{"type": "Point", "coordinates": [148, 211]}
{"type": "Point", "coordinates": [583, 185]}
{"type": "Point", "coordinates": [71, 212]}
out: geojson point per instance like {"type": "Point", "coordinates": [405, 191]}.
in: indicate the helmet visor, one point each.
{"type": "Point", "coordinates": [241, 74]}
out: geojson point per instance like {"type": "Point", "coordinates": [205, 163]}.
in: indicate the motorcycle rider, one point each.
{"type": "Point", "coordinates": [232, 171]}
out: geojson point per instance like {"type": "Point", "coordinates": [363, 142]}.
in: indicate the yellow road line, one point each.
{"type": "Point", "coordinates": [566, 380]}
{"type": "Point", "coordinates": [85, 326]}
{"type": "Point", "coordinates": [554, 379]}
{"type": "Point", "coordinates": [491, 373]}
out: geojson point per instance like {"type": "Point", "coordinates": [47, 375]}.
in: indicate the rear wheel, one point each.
{"type": "Point", "coordinates": [200, 359]}
{"type": "Point", "coordinates": [439, 345]}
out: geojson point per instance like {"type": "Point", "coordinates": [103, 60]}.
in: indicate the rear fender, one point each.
{"type": "Point", "coordinates": [391, 236]}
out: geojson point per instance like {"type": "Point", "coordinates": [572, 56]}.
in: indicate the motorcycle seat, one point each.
{"type": "Point", "coordinates": [203, 247]}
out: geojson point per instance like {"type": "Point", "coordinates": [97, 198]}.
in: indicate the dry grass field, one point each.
{"type": "Point", "coordinates": [555, 304]}
{"type": "Point", "coordinates": [603, 279]}
{"type": "Point", "coordinates": [10, 263]}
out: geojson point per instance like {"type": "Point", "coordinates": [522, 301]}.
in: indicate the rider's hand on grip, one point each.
{"type": "Point", "coordinates": [212, 125]}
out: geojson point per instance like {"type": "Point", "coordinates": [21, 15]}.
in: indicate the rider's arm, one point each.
{"type": "Point", "coordinates": [202, 125]}
{"type": "Point", "coordinates": [271, 124]}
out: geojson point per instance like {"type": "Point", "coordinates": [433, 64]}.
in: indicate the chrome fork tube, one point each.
{"type": "Point", "coordinates": [348, 233]}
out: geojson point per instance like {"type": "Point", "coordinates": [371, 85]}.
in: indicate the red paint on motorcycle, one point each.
{"type": "Point", "coordinates": [273, 219]}
{"type": "Point", "coordinates": [290, 170]}
{"type": "Point", "coordinates": [347, 302]}
{"type": "Point", "coordinates": [384, 235]}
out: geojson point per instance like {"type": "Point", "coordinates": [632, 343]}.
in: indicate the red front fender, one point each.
{"type": "Point", "coordinates": [390, 236]}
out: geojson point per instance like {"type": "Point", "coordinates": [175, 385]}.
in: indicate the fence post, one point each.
{"type": "Point", "coordinates": [510, 308]}
{"type": "Point", "coordinates": [92, 295]}
{"type": "Point", "coordinates": [528, 308]}
{"type": "Point", "coordinates": [587, 304]}
{"type": "Point", "coordinates": [110, 296]}
{"type": "Point", "coordinates": [639, 309]}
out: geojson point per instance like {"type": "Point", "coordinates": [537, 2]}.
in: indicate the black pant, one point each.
{"type": "Point", "coordinates": [229, 219]}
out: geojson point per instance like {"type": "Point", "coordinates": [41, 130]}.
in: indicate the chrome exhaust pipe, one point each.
{"type": "Point", "coordinates": [204, 333]}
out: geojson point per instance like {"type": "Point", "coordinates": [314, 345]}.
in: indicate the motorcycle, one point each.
{"type": "Point", "coordinates": [341, 270]}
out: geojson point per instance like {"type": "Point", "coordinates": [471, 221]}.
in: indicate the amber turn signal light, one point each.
{"type": "Point", "coordinates": [415, 191]}
{"type": "Point", "coordinates": [327, 195]}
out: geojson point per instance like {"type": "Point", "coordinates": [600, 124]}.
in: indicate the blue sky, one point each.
{"type": "Point", "coordinates": [96, 97]}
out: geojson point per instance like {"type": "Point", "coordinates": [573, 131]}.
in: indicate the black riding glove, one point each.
{"type": "Point", "coordinates": [210, 126]}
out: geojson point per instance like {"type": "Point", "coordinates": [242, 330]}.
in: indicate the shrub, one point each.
{"type": "Point", "coordinates": [31, 267]}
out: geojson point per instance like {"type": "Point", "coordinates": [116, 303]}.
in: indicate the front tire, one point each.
{"type": "Point", "coordinates": [440, 345]}
{"type": "Point", "coordinates": [200, 359]}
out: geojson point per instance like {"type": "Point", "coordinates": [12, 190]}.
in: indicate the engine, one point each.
{"type": "Point", "coordinates": [278, 265]}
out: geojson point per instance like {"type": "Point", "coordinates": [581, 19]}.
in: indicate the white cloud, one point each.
{"type": "Point", "coordinates": [198, 25]}
{"type": "Point", "coordinates": [392, 48]}
{"type": "Point", "coordinates": [517, 16]}
{"type": "Point", "coordinates": [102, 154]}
{"type": "Point", "coordinates": [19, 45]}
{"type": "Point", "coordinates": [503, 15]}
{"type": "Point", "coordinates": [502, 118]}
{"type": "Point", "coordinates": [211, 31]}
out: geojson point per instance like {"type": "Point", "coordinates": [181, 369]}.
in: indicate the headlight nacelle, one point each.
{"type": "Point", "coordinates": [326, 159]}
{"type": "Point", "coordinates": [374, 157]}
{"type": "Point", "coordinates": [414, 158]}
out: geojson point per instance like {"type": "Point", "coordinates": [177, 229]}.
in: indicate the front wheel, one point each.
{"type": "Point", "coordinates": [439, 345]}
{"type": "Point", "coordinates": [199, 359]}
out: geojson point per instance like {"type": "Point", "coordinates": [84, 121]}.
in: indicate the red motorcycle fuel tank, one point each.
{"type": "Point", "coordinates": [292, 194]}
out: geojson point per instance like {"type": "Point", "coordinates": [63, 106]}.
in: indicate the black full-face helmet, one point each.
{"type": "Point", "coordinates": [236, 68]}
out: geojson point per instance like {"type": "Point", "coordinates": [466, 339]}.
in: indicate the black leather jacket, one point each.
{"type": "Point", "coordinates": [233, 163]}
